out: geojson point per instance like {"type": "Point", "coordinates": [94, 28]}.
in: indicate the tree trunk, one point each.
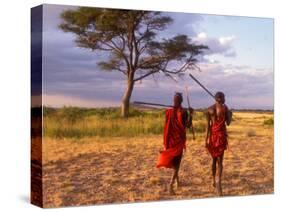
{"type": "Point", "coordinates": [126, 99]}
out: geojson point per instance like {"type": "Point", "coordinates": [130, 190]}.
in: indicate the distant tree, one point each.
{"type": "Point", "coordinates": [131, 38]}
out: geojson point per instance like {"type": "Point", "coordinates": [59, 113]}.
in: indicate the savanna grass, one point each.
{"type": "Point", "coordinates": [74, 122]}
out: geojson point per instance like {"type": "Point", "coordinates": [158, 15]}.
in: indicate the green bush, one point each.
{"type": "Point", "coordinates": [269, 122]}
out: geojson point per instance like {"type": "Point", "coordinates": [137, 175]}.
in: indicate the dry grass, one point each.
{"type": "Point", "coordinates": [73, 122]}
{"type": "Point", "coordinates": [98, 170]}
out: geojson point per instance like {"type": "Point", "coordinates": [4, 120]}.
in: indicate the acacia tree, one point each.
{"type": "Point", "coordinates": [131, 38]}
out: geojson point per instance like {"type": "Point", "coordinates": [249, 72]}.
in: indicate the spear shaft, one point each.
{"type": "Point", "coordinates": [202, 86]}
{"type": "Point", "coordinates": [188, 102]}
{"type": "Point", "coordinates": [152, 104]}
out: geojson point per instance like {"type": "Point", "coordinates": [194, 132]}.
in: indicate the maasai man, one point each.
{"type": "Point", "coordinates": [217, 116]}
{"type": "Point", "coordinates": [177, 120]}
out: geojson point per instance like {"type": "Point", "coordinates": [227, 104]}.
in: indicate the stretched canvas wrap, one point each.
{"type": "Point", "coordinates": [136, 106]}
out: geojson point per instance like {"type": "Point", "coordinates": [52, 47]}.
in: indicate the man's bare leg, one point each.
{"type": "Point", "coordinates": [220, 168]}
{"type": "Point", "coordinates": [178, 168]}
{"type": "Point", "coordinates": [214, 171]}
{"type": "Point", "coordinates": [175, 174]}
{"type": "Point", "coordinates": [178, 181]}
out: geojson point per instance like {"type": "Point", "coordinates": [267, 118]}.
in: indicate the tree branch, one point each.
{"type": "Point", "coordinates": [146, 75]}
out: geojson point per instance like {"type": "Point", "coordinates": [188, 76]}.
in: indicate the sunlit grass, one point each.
{"type": "Point", "coordinates": [71, 122]}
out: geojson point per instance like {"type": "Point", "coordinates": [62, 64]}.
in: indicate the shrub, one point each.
{"type": "Point", "coordinates": [251, 133]}
{"type": "Point", "coordinates": [269, 122]}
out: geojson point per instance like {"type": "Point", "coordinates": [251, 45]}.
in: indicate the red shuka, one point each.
{"type": "Point", "coordinates": [174, 137]}
{"type": "Point", "coordinates": [218, 136]}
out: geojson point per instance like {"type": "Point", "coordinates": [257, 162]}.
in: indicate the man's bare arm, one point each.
{"type": "Point", "coordinates": [184, 118]}
{"type": "Point", "coordinates": [188, 117]}
{"type": "Point", "coordinates": [228, 116]}
{"type": "Point", "coordinates": [207, 128]}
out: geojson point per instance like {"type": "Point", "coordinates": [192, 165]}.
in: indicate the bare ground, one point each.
{"type": "Point", "coordinates": [105, 170]}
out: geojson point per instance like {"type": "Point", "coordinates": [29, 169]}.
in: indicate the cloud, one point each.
{"type": "Point", "coordinates": [65, 100]}
{"type": "Point", "coordinates": [221, 45]}
{"type": "Point", "coordinates": [73, 71]}
{"type": "Point", "coordinates": [72, 77]}
{"type": "Point", "coordinates": [244, 86]}
{"type": "Point", "coordinates": [226, 40]}
{"type": "Point", "coordinates": [184, 23]}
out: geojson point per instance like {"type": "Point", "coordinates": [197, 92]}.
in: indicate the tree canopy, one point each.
{"type": "Point", "coordinates": [133, 41]}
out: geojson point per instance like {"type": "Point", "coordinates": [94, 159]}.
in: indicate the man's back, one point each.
{"type": "Point", "coordinates": [217, 112]}
{"type": "Point", "coordinates": [174, 129]}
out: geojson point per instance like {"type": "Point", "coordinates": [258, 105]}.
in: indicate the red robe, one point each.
{"type": "Point", "coordinates": [174, 138]}
{"type": "Point", "coordinates": [218, 136]}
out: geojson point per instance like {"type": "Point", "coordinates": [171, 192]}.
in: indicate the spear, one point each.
{"type": "Point", "coordinates": [229, 112]}
{"type": "Point", "coordinates": [152, 104]}
{"type": "Point", "coordinates": [188, 102]}
{"type": "Point", "coordinates": [202, 86]}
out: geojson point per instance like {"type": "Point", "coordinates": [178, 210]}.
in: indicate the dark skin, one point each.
{"type": "Point", "coordinates": [212, 113]}
{"type": "Point", "coordinates": [177, 160]}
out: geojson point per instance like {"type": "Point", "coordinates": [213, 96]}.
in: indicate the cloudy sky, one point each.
{"type": "Point", "coordinates": [239, 62]}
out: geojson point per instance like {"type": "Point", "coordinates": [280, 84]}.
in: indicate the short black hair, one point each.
{"type": "Point", "coordinates": [219, 95]}
{"type": "Point", "coordinates": [179, 95]}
